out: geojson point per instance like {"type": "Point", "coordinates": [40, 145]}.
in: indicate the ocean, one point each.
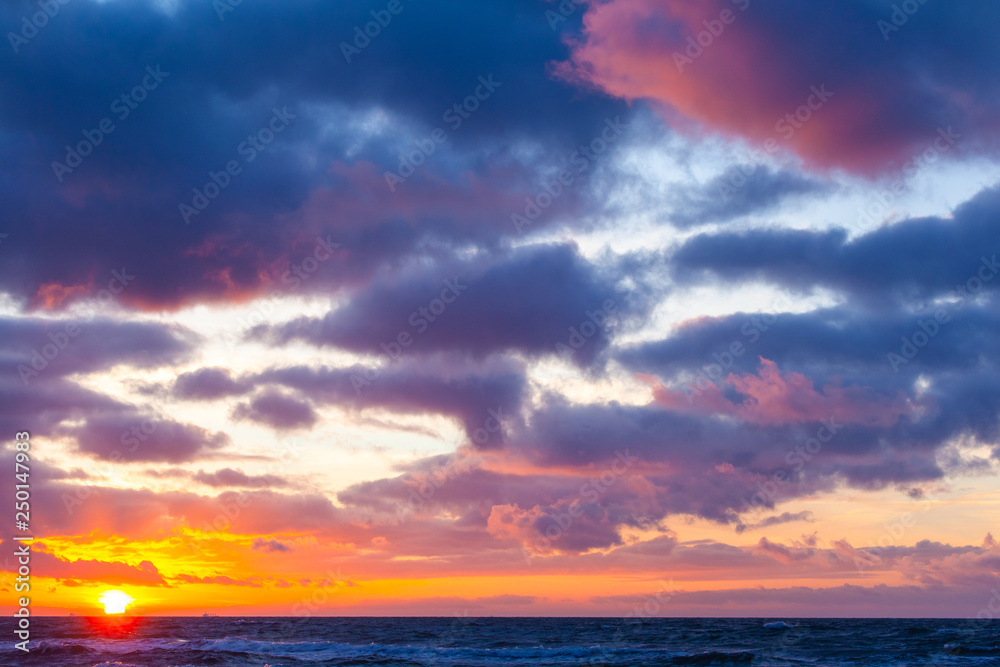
{"type": "Point", "coordinates": [284, 642]}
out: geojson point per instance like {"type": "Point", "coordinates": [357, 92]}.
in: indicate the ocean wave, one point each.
{"type": "Point", "coordinates": [778, 625]}
{"type": "Point", "coordinates": [972, 651]}
{"type": "Point", "coordinates": [145, 651]}
{"type": "Point", "coordinates": [515, 643]}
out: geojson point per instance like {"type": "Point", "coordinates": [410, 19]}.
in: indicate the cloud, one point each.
{"type": "Point", "coordinates": [528, 301]}
{"type": "Point", "coordinates": [140, 437]}
{"type": "Point", "coordinates": [139, 513]}
{"type": "Point", "coordinates": [777, 520]}
{"type": "Point", "coordinates": [112, 573]}
{"type": "Point", "coordinates": [447, 384]}
{"type": "Point", "coordinates": [913, 260]}
{"type": "Point", "coordinates": [352, 123]}
{"type": "Point", "coordinates": [541, 530]}
{"type": "Point", "coordinates": [733, 194]}
{"type": "Point", "coordinates": [279, 411]}
{"type": "Point", "coordinates": [771, 397]}
{"type": "Point", "coordinates": [444, 313]}
{"type": "Point", "coordinates": [741, 68]}
{"type": "Point", "coordinates": [207, 384]}
{"type": "Point", "coordinates": [260, 544]}
{"type": "Point", "coordinates": [237, 478]}
{"type": "Point", "coordinates": [36, 350]}
{"type": "Point", "coordinates": [844, 601]}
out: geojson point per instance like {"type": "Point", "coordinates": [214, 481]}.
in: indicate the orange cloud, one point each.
{"type": "Point", "coordinates": [81, 571]}
{"type": "Point", "coordinates": [52, 295]}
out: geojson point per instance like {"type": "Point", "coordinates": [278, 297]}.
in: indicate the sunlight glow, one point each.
{"type": "Point", "coordinates": [115, 601]}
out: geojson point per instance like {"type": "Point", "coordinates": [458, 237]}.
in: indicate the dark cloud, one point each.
{"type": "Point", "coordinates": [776, 520]}
{"type": "Point", "coordinates": [37, 355]}
{"type": "Point", "coordinates": [865, 349]}
{"type": "Point", "coordinates": [479, 395]}
{"type": "Point", "coordinates": [36, 349]}
{"type": "Point", "coordinates": [914, 260]}
{"type": "Point", "coordinates": [45, 405]}
{"type": "Point", "coordinates": [431, 282]}
{"type": "Point", "coordinates": [135, 436]}
{"type": "Point", "coordinates": [734, 194]}
{"type": "Point", "coordinates": [221, 82]}
{"type": "Point", "coordinates": [533, 301]}
{"type": "Point", "coordinates": [279, 411]}
{"type": "Point", "coordinates": [260, 544]}
{"type": "Point", "coordinates": [227, 477]}
{"type": "Point", "coordinates": [823, 343]}
{"type": "Point", "coordinates": [207, 384]}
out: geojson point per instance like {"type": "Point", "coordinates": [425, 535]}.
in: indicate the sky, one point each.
{"type": "Point", "coordinates": [509, 307]}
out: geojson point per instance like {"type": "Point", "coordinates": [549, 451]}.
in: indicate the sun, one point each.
{"type": "Point", "coordinates": [115, 601]}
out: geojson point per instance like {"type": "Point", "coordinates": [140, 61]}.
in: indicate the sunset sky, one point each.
{"type": "Point", "coordinates": [509, 307]}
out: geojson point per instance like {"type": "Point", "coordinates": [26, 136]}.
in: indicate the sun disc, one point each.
{"type": "Point", "coordinates": [115, 601]}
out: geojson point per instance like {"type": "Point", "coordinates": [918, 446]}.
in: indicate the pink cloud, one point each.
{"type": "Point", "coordinates": [360, 197]}
{"type": "Point", "coordinates": [775, 398]}
{"type": "Point", "coordinates": [740, 69]}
